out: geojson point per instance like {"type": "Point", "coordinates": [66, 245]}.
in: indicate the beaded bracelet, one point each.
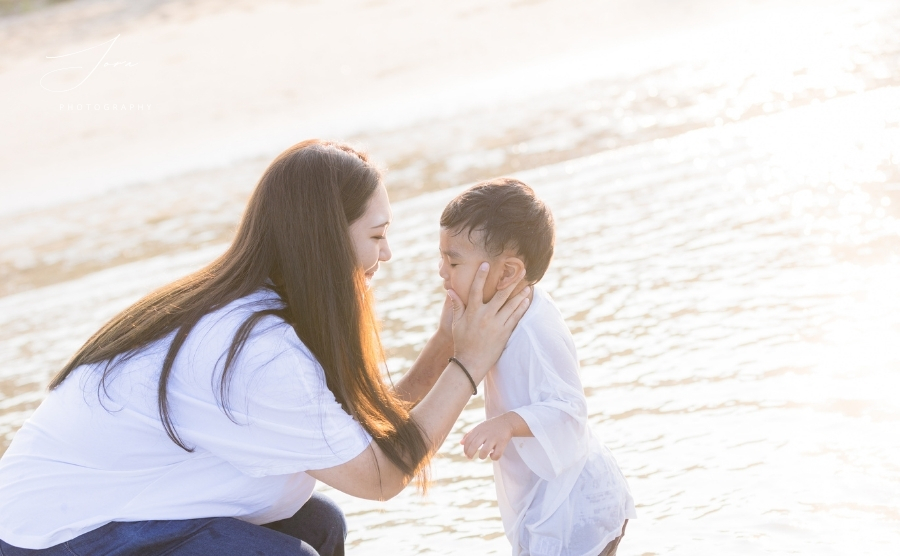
{"type": "Point", "coordinates": [469, 376]}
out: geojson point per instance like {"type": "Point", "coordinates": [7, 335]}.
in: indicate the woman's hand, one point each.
{"type": "Point", "coordinates": [480, 330]}
{"type": "Point", "coordinates": [445, 328]}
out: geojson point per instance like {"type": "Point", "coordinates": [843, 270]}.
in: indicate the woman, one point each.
{"type": "Point", "coordinates": [198, 420]}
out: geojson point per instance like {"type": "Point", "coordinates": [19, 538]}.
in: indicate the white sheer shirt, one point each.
{"type": "Point", "coordinates": [560, 493]}
{"type": "Point", "coordinates": [81, 461]}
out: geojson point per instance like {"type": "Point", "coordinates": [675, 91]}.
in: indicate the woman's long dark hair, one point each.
{"type": "Point", "coordinates": [294, 233]}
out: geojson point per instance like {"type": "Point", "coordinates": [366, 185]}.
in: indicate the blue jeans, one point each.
{"type": "Point", "coordinates": [317, 529]}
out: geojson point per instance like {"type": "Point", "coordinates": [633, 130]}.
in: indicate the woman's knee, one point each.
{"type": "Point", "coordinates": [328, 511]}
{"type": "Point", "coordinates": [320, 522]}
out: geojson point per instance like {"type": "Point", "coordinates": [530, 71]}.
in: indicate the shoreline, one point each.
{"type": "Point", "coordinates": [463, 138]}
{"type": "Point", "coordinates": [215, 103]}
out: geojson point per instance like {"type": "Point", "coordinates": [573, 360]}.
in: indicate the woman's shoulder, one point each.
{"type": "Point", "coordinates": [267, 334]}
{"type": "Point", "coordinates": [260, 299]}
{"type": "Point", "coordinates": [224, 320]}
{"type": "Point", "coordinates": [271, 356]}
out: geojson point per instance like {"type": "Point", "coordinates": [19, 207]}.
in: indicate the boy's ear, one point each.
{"type": "Point", "coordinates": [512, 268]}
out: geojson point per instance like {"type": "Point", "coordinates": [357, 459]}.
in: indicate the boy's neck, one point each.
{"type": "Point", "coordinates": [521, 286]}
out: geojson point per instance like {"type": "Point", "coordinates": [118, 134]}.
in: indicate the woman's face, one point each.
{"type": "Point", "coordinates": [369, 233]}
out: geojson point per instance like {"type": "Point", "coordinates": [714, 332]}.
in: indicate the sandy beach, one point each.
{"type": "Point", "coordinates": [220, 82]}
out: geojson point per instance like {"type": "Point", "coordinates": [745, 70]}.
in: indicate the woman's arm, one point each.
{"type": "Point", "coordinates": [435, 414]}
{"type": "Point", "coordinates": [480, 332]}
{"type": "Point", "coordinates": [430, 363]}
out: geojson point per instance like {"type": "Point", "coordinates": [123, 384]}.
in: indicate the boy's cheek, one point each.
{"type": "Point", "coordinates": [464, 296]}
{"type": "Point", "coordinates": [462, 292]}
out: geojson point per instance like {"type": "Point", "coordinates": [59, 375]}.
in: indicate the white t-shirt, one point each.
{"type": "Point", "coordinates": [81, 461]}
{"type": "Point", "coordinates": [560, 493]}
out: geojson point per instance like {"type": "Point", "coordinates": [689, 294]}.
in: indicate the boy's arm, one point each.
{"type": "Point", "coordinates": [491, 437]}
{"type": "Point", "coordinates": [518, 425]}
{"type": "Point", "coordinates": [557, 413]}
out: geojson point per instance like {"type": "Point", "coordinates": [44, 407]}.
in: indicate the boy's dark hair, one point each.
{"type": "Point", "coordinates": [510, 216]}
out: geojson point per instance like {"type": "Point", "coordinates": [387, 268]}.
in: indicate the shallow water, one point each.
{"type": "Point", "coordinates": [734, 303]}
{"type": "Point", "coordinates": [729, 271]}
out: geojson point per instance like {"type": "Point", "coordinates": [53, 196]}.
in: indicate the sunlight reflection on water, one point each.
{"type": "Point", "coordinates": [738, 336]}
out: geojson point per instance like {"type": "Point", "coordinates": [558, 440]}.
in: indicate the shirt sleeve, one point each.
{"type": "Point", "coordinates": [284, 419]}
{"type": "Point", "coordinates": [557, 414]}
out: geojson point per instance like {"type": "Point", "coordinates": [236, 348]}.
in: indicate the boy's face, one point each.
{"type": "Point", "coordinates": [460, 259]}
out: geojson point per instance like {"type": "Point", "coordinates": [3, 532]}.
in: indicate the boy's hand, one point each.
{"type": "Point", "coordinates": [488, 439]}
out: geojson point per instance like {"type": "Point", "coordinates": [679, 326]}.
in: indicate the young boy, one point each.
{"type": "Point", "coordinates": [559, 489]}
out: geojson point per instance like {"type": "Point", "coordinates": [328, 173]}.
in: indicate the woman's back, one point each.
{"type": "Point", "coordinates": [213, 408]}
{"type": "Point", "coordinates": [85, 459]}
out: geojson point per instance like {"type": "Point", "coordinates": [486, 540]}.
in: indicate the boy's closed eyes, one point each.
{"type": "Point", "coordinates": [461, 257]}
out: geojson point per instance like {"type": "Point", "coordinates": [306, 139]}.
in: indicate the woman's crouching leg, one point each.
{"type": "Point", "coordinates": [320, 523]}
{"type": "Point", "coordinates": [218, 536]}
